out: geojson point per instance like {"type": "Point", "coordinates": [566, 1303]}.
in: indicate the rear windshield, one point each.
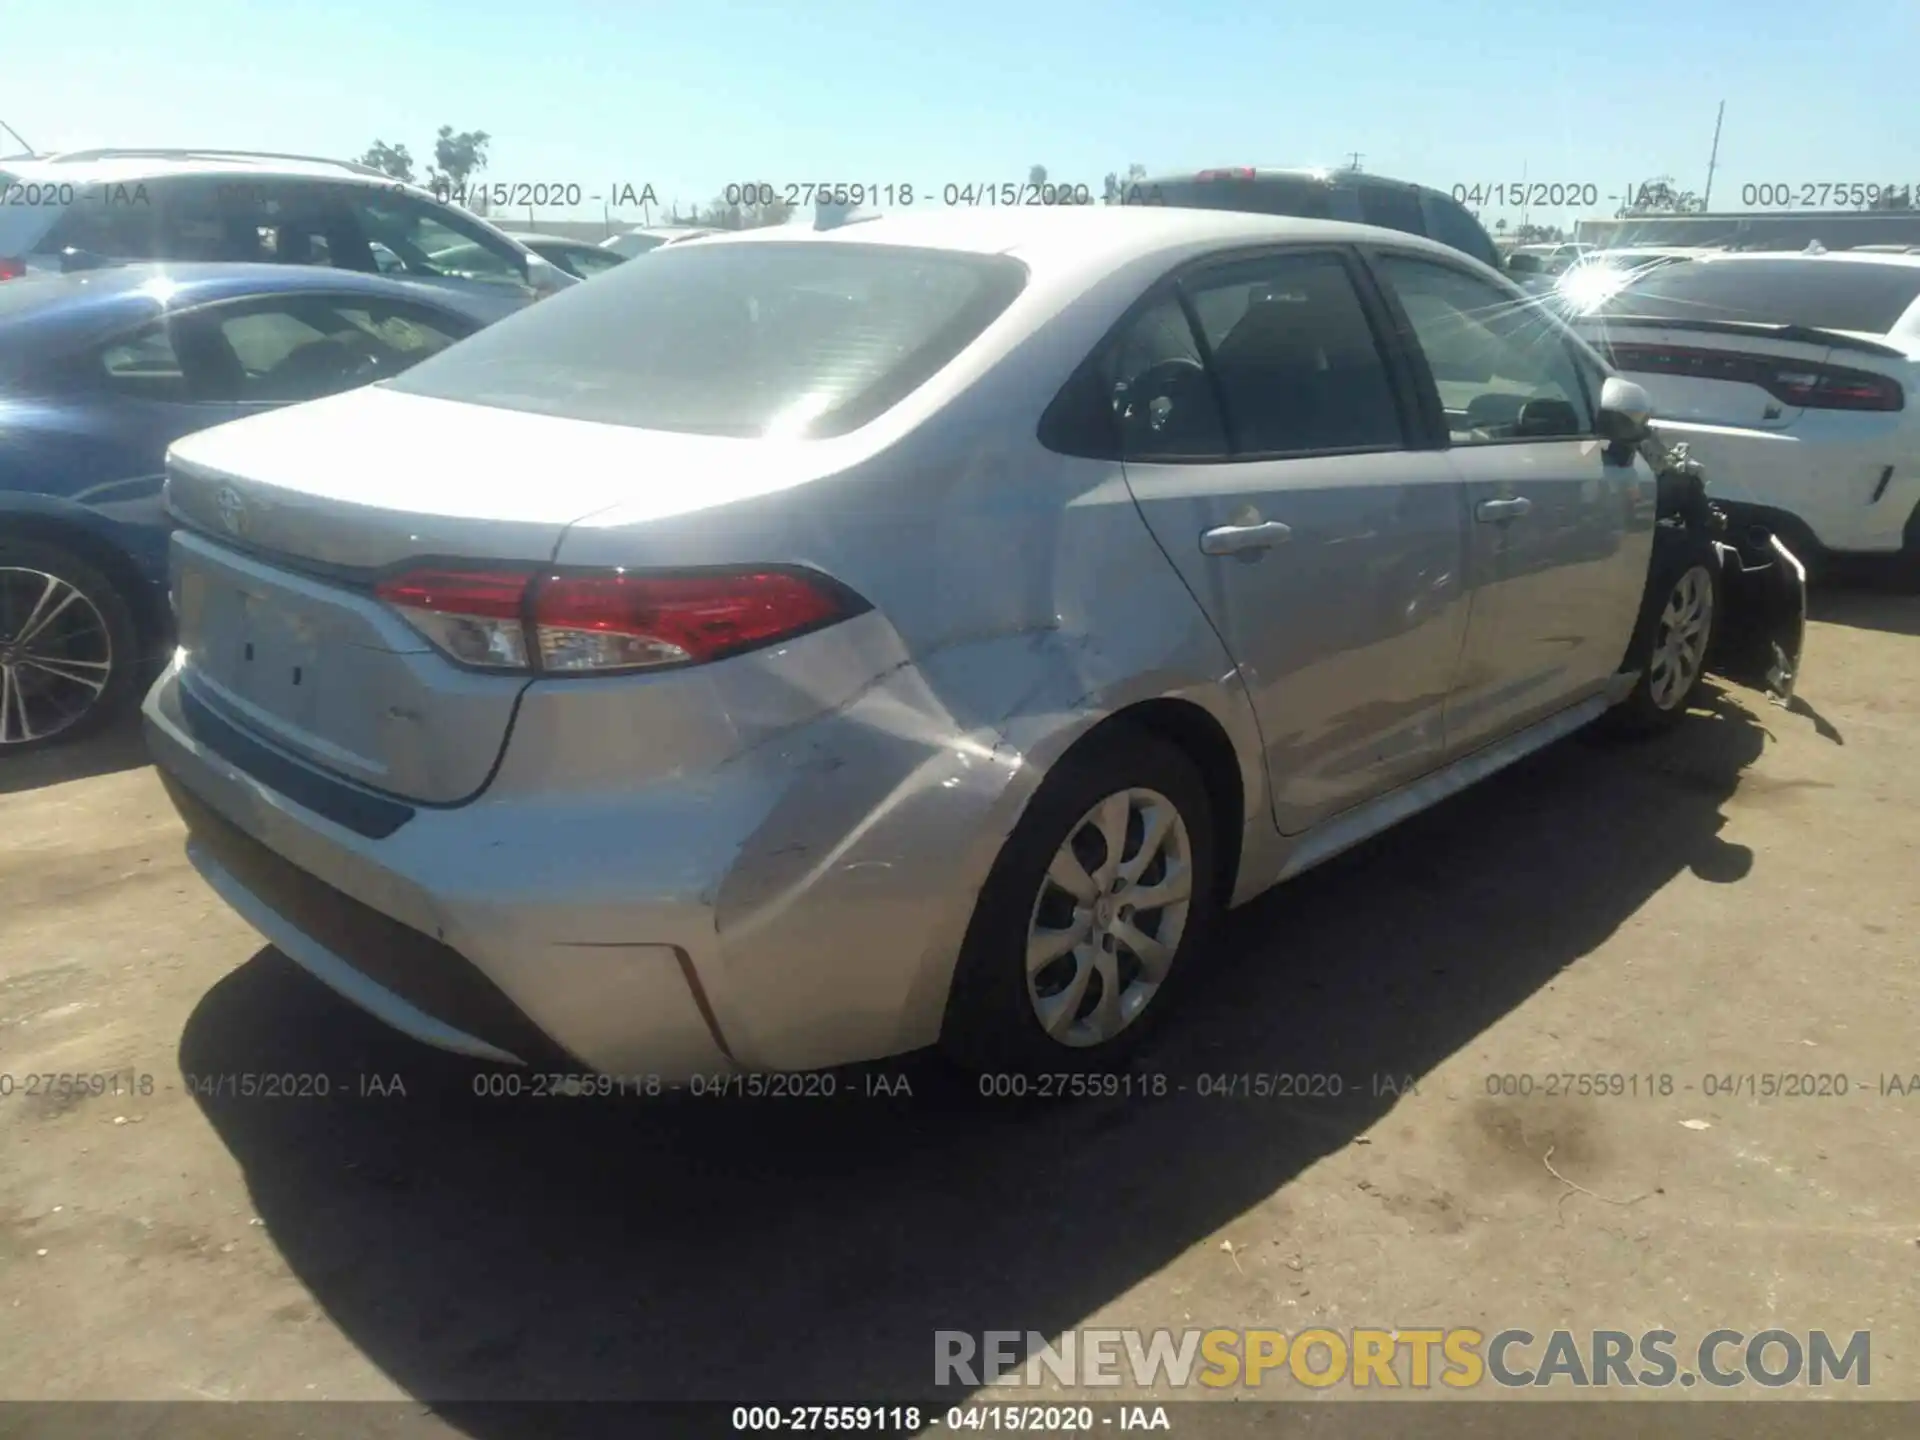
{"type": "Point", "coordinates": [797, 339]}
{"type": "Point", "coordinates": [1826, 295]}
{"type": "Point", "coordinates": [1270, 195]}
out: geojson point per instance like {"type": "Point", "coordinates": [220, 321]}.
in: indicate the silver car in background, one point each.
{"type": "Point", "coordinates": [803, 648]}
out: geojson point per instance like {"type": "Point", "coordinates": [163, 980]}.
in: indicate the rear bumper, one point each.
{"type": "Point", "coordinates": [766, 915]}
{"type": "Point", "coordinates": [422, 929]}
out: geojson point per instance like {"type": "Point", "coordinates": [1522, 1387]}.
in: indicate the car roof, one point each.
{"type": "Point", "coordinates": [1064, 239]}
{"type": "Point", "coordinates": [1276, 172]}
{"type": "Point", "coordinates": [90, 300]}
{"type": "Point", "coordinates": [132, 166]}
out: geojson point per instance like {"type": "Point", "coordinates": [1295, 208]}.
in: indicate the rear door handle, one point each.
{"type": "Point", "coordinates": [1240, 539]}
{"type": "Point", "coordinates": [1492, 512]}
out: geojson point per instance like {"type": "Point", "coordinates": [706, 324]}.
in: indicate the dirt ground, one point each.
{"type": "Point", "coordinates": [1737, 899]}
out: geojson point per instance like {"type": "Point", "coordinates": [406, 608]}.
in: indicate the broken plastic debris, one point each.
{"type": "Point", "coordinates": [1698, 1124]}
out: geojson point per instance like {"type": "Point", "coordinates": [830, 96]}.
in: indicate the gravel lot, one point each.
{"type": "Point", "coordinates": [1736, 899]}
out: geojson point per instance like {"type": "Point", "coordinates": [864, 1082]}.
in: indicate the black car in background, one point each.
{"type": "Point", "coordinates": [1323, 195]}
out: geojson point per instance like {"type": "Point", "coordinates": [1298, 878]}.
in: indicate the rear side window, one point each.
{"type": "Point", "coordinates": [1450, 224]}
{"type": "Point", "coordinates": [1392, 207]}
{"type": "Point", "coordinates": [1264, 195]}
{"type": "Point", "coordinates": [22, 224]}
{"type": "Point", "coordinates": [1823, 294]}
{"type": "Point", "coordinates": [800, 340]}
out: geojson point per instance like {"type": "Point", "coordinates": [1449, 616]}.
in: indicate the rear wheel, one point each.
{"type": "Point", "coordinates": [67, 646]}
{"type": "Point", "coordinates": [1090, 918]}
{"type": "Point", "coordinates": [1671, 643]}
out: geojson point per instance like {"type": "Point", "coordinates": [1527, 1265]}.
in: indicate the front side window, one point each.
{"type": "Point", "coordinates": [1296, 360]}
{"type": "Point", "coordinates": [798, 340]}
{"type": "Point", "coordinates": [1502, 370]}
{"type": "Point", "coordinates": [429, 241]}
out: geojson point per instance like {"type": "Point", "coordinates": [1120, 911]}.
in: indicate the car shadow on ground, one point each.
{"type": "Point", "coordinates": [1887, 605]}
{"type": "Point", "coordinates": [119, 746]}
{"type": "Point", "coordinates": [482, 1249]}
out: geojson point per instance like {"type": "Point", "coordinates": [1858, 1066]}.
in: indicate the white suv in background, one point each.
{"type": "Point", "coordinates": [1795, 378]}
{"type": "Point", "coordinates": [83, 208]}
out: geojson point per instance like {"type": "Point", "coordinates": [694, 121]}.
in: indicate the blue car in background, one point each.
{"type": "Point", "coordinates": [100, 371]}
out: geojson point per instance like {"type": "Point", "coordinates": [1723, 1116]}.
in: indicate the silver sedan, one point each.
{"type": "Point", "coordinates": [805, 648]}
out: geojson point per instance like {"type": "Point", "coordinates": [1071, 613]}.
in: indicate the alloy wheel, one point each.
{"type": "Point", "coordinates": [1107, 922]}
{"type": "Point", "coordinates": [56, 655]}
{"type": "Point", "coordinates": [1680, 644]}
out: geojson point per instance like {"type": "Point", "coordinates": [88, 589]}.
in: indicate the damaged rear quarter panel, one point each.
{"type": "Point", "coordinates": [842, 915]}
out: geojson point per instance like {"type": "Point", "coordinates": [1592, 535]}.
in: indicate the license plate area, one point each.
{"type": "Point", "coordinates": [253, 646]}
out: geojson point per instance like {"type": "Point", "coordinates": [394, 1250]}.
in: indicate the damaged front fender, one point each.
{"type": "Point", "coordinates": [1762, 626]}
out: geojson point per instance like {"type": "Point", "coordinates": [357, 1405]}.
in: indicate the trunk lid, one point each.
{"type": "Point", "coordinates": [288, 517]}
{"type": "Point", "coordinates": [1707, 377]}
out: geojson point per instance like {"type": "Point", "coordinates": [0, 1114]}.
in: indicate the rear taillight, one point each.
{"type": "Point", "coordinates": [1813, 387]}
{"type": "Point", "coordinates": [600, 622]}
{"type": "Point", "coordinates": [1235, 172]}
{"type": "Point", "coordinates": [476, 616]}
{"type": "Point", "coordinates": [12, 269]}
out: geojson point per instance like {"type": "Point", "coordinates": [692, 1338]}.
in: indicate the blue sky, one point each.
{"type": "Point", "coordinates": [691, 96]}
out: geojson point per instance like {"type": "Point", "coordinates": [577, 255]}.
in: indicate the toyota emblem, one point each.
{"type": "Point", "coordinates": [233, 510]}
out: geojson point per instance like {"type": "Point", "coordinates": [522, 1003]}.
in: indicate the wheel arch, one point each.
{"type": "Point", "coordinates": [1201, 737]}
{"type": "Point", "coordinates": [72, 527]}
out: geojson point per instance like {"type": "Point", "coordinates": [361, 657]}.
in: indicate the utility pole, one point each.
{"type": "Point", "coordinates": [1706, 200]}
{"type": "Point", "coordinates": [1354, 160]}
{"type": "Point", "coordinates": [18, 136]}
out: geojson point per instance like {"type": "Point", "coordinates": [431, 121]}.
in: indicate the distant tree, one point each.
{"type": "Point", "coordinates": [725, 215]}
{"type": "Point", "coordinates": [457, 158]}
{"type": "Point", "coordinates": [1036, 174]}
{"type": "Point", "coordinates": [1500, 226]}
{"type": "Point", "coordinates": [392, 159]}
{"type": "Point", "coordinates": [1658, 197]}
{"type": "Point", "coordinates": [1115, 187]}
{"type": "Point", "coordinates": [1892, 197]}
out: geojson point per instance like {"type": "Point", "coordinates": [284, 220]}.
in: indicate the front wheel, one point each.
{"type": "Point", "coordinates": [1670, 646]}
{"type": "Point", "coordinates": [1090, 918]}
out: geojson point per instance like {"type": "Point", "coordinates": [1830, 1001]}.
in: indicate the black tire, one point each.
{"type": "Point", "coordinates": [991, 1021]}
{"type": "Point", "coordinates": [1679, 559]}
{"type": "Point", "coordinates": [118, 647]}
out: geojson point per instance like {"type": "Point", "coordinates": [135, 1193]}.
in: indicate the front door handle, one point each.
{"type": "Point", "coordinates": [1240, 539]}
{"type": "Point", "coordinates": [1492, 512]}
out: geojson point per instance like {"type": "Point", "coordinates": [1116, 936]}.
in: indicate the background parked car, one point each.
{"type": "Point", "coordinates": [580, 258]}
{"type": "Point", "coordinates": [639, 242]}
{"type": "Point", "coordinates": [71, 210]}
{"type": "Point", "coordinates": [1324, 195]}
{"type": "Point", "coordinates": [1792, 377]}
{"type": "Point", "coordinates": [99, 373]}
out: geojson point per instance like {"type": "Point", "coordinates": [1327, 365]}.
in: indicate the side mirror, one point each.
{"type": "Point", "coordinates": [1626, 414]}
